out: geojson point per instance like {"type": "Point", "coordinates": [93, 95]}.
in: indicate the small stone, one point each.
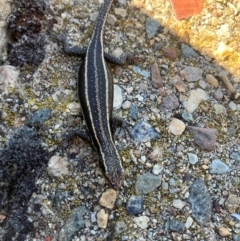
{"type": "Point", "coordinates": [108, 198]}
{"type": "Point", "coordinates": [202, 84]}
{"type": "Point", "coordinates": [232, 106]}
{"type": "Point", "coordinates": [133, 112]}
{"type": "Point", "coordinates": [212, 80]}
{"type": "Point", "coordinates": [235, 156]}
{"type": "Point", "coordinates": [156, 77]}
{"type": "Point", "coordinates": [121, 12]}
{"type": "Point", "coordinates": [102, 219]}
{"type": "Point", "coordinates": [58, 166]}
{"type": "Point", "coordinates": [218, 94]}
{"type": "Point", "coordinates": [189, 222]}
{"type": "Point", "coordinates": [188, 51]}
{"type": "Point", "coordinates": [157, 169]}
{"type": "Point", "coordinates": [191, 74]}
{"type": "Point", "coordinates": [193, 159]}
{"type": "Point", "coordinates": [170, 53]}
{"type": "Point", "coordinates": [219, 167]}
{"type": "Point", "coordinates": [195, 98]}
{"type": "Point", "coordinates": [178, 83]}
{"type": "Point", "coordinates": [143, 132]}
{"type": "Point", "coordinates": [152, 27]}
{"type": "Point", "coordinates": [111, 19]}
{"type": "Point", "coordinates": [203, 137]}
{"type": "Point", "coordinates": [170, 102]}
{"type": "Point", "coordinates": [146, 183]}
{"type": "Point", "coordinates": [141, 72]}
{"type": "Point", "coordinates": [118, 99]}
{"type": "Point", "coordinates": [220, 109]}
{"type": "Point", "coordinates": [134, 205]}
{"type": "Point", "coordinates": [39, 117]}
{"type": "Point", "coordinates": [187, 117]}
{"type": "Point", "coordinates": [126, 104]}
{"type": "Point", "coordinates": [177, 203]}
{"type": "Point", "coordinates": [119, 227]}
{"type": "Point", "coordinates": [232, 203]}
{"type": "Point", "coordinates": [223, 232]}
{"type": "Point", "coordinates": [142, 221]}
{"type": "Point", "coordinates": [176, 226]}
{"type": "Point", "coordinates": [156, 154]}
{"type": "Point", "coordinates": [176, 127]}
{"type": "Point", "coordinates": [74, 108]}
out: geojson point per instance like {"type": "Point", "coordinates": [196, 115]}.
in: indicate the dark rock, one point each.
{"type": "Point", "coordinates": [144, 132]}
{"type": "Point", "coordinates": [74, 222]}
{"type": "Point", "coordinates": [203, 137]}
{"type": "Point", "coordinates": [156, 77]}
{"type": "Point", "coordinates": [187, 51]}
{"type": "Point", "coordinates": [39, 117]}
{"type": "Point", "coordinates": [200, 202]}
{"type": "Point", "coordinates": [170, 102]}
{"type": "Point", "coordinates": [133, 112]}
{"type": "Point", "coordinates": [134, 205]}
{"type": "Point", "coordinates": [177, 226]}
{"type": "Point", "coordinates": [152, 27]}
{"type": "Point", "coordinates": [146, 183]}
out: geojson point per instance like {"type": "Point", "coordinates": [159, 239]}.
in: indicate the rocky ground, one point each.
{"type": "Point", "coordinates": [179, 99]}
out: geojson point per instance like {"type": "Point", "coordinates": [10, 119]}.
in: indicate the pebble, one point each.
{"type": "Point", "coordinates": [157, 169]}
{"type": "Point", "coordinates": [235, 156]}
{"type": "Point", "coordinates": [232, 203]}
{"type": "Point", "coordinates": [204, 138]}
{"type": "Point", "coordinates": [74, 222]}
{"type": "Point", "coordinates": [219, 109]}
{"type": "Point", "coordinates": [195, 98]}
{"type": "Point", "coordinates": [142, 221]}
{"type": "Point", "coordinates": [111, 19]}
{"type": "Point", "coordinates": [223, 232]}
{"type": "Point", "coordinates": [143, 73]}
{"type": "Point", "coordinates": [170, 102]}
{"type": "Point", "coordinates": [118, 99]}
{"type": "Point", "coordinates": [135, 205]}
{"type": "Point", "coordinates": [192, 158]}
{"type": "Point", "coordinates": [151, 27]}
{"type": "Point", "coordinates": [177, 203]}
{"type": "Point", "coordinates": [177, 127]}
{"type": "Point", "coordinates": [39, 117]}
{"type": "Point", "coordinates": [232, 106]}
{"type": "Point", "coordinates": [133, 112]}
{"type": "Point", "coordinates": [200, 201]}
{"type": "Point", "coordinates": [58, 166]}
{"type": "Point", "coordinates": [143, 132]}
{"type": "Point", "coordinates": [121, 12]}
{"type": "Point", "coordinates": [74, 108]}
{"type": "Point", "coordinates": [120, 226]}
{"type": "Point", "coordinates": [102, 219]}
{"type": "Point", "coordinates": [9, 79]}
{"type": "Point", "coordinates": [156, 77]}
{"type": "Point", "coordinates": [219, 167]}
{"type": "Point", "coordinates": [156, 154]}
{"type": "Point", "coordinates": [177, 226]}
{"type": "Point", "coordinates": [187, 117]}
{"type": "Point", "coordinates": [170, 53]}
{"type": "Point", "coordinates": [202, 84]}
{"type": "Point", "coordinates": [191, 74]}
{"type": "Point", "coordinates": [218, 94]}
{"type": "Point", "coordinates": [178, 83]}
{"type": "Point", "coordinates": [187, 51]}
{"type": "Point", "coordinates": [146, 183]}
{"type": "Point", "coordinates": [108, 198]}
{"type": "Point", "coordinates": [212, 80]}
{"type": "Point", "coordinates": [189, 222]}
{"type": "Point", "coordinates": [126, 104]}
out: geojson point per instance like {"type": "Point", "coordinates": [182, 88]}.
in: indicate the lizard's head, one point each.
{"type": "Point", "coordinates": [115, 175]}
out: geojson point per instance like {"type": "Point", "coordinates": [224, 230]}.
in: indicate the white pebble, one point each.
{"type": "Point", "coordinates": [176, 127]}
{"type": "Point", "coordinates": [58, 166]}
{"type": "Point", "coordinates": [118, 99]}
{"type": "Point", "coordinates": [177, 203]}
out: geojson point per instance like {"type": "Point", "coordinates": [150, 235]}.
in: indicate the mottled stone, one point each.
{"type": "Point", "coordinates": [232, 203]}
{"type": "Point", "coordinates": [39, 117]}
{"type": "Point", "coordinates": [141, 72]}
{"type": "Point", "coordinates": [119, 227]}
{"type": "Point", "coordinates": [170, 53]}
{"type": "Point", "coordinates": [200, 202]}
{"type": "Point", "coordinates": [220, 109]}
{"type": "Point", "coordinates": [187, 51]}
{"type": "Point", "coordinates": [152, 27]}
{"type": "Point", "coordinates": [74, 108]}
{"type": "Point", "coordinates": [170, 102]}
{"type": "Point", "coordinates": [142, 221]}
{"type": "Point", "coordinates": [191, 74]}
{"type": "Point", "coordinates": [58, 166]}
{"type": "Point", "coordinates": [118, 99]}
{"type": "Point", "coordinates": [143, 132]}
{"type": "Point", "coordinates": [219, 167]}
{"type": "Point", "coordinates": [102, 219]}
{"type": "Point", "coordinates": [176, 127]}
{"type": "Point", "coordinates": [108, 198]}
{"type": "Point", "coordinates": [134, 205]}
{"type": "Point", "coordinates": [178, 83]}
{"type": "Point", "coordinates": [235, 155]}
{"type": "Point", "coordinates": [146, 183]}
{"type": "Point", "coordinates": [133, 112]}
{"type": "Point", "coordinates": [156, 77]}
{"type": "Point", "coordinates": [177, 226]}
{"type": "Point", "coordinates": [203, 137]}
{"type": "Point", "coordinates": [210, 79]}
{"type": "Point", "coordinates": [156, 154]}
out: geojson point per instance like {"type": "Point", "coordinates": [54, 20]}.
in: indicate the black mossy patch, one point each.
{"type": "Point", "coordinates": [21, 161]}
{"type": "Point", "coordinates": [28, 27]}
